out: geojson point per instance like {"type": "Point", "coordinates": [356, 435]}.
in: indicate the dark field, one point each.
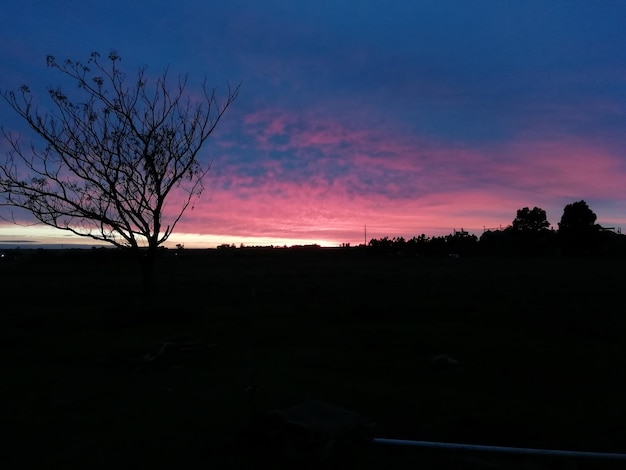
{"type": "Point", "coordinates": [540, 345]}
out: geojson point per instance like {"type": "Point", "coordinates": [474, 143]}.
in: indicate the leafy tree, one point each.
{"type": "Point", "coordinates": [111, 153]}
{"type": "Point", "coordinates": [495, 242]}
{"type": "Point", "coordinates": [528, 234]}
{"type": "Point", "coordinates": [577, 228]}
{"type": "Point", "coordinates": [577, 218]}
{"type": "Point", "coordinates": [417, 245]}
{"type": "Point", "coordinates": [461, 242]}
{"type": "Point", "coordinates": [530, 220]}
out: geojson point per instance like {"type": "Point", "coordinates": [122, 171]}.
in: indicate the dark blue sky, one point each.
{"type": "Point", "coordinates": [410, 117]}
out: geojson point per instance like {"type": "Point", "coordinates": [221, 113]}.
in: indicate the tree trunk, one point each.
{"type": "Point", "coordinates": [147, 265]}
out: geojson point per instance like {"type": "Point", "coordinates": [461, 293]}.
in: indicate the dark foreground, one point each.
{"type": "Point", "coordinates": [95, 376]}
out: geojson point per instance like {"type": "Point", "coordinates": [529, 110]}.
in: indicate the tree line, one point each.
{"type": "Point", "coordinates": [529, 234]}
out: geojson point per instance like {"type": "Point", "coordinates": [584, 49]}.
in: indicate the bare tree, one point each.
{"type": "Point", "coordinates": [112, 154]}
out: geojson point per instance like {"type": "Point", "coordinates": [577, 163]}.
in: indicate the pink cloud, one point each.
{"type": "Point", "coordinates": [397, 184]}
{"type": "Point", "coordinates": [307, 176]}
{"type": "Point", "coordinates": [567, 168]}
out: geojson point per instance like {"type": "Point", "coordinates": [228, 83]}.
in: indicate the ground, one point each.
{"type": "Point", "coordinates": [88, 381]}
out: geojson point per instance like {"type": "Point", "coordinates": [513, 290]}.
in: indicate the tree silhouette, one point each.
{"type": "Point", "coordinates": [461, 243]}
{"type": "Point", "coordinates": [577, 228]}
{"type": "Point", "coordinates": [110, 154]}
{"type": "Point", "coordinates": [528, 234]}
{"type": "Point", "coordinates": [495, 242]}
{"type": "Point", "coordinates": [528, 220]}
{"type": "Point", "coordinates": [577, 217]}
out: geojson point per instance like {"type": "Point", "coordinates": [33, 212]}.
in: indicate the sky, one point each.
{"type": "Point", "coordinates": [408, 117]}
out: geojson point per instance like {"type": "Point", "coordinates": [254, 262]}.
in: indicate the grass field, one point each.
{"type": "Point", "coordinates": [540, 345]}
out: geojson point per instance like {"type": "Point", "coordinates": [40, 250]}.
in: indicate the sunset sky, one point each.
{"type": "Point", "coordinates": [409, 117]}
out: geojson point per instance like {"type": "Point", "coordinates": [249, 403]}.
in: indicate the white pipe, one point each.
{"type": "Point", "coordinates": [502, 450]}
